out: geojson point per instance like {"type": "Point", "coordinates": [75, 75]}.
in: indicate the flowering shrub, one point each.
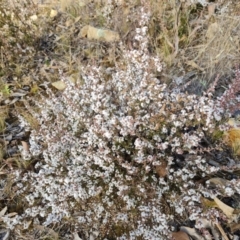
{"type": "Point", "coordinates": [229, 101]}
{"type": "Point", "coordinates": [103, 141]}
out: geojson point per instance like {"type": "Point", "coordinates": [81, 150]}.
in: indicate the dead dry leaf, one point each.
{"type": "Point", "coordinates": [34, 17]}
{"type": "Point", "coordinates": [232, 138]}
{"type": "Point", "coordinates": [3, 211]}
{"type": "Point", "coordinates": [213, 29]}
{"type": "Point", "coordinates": [53, 13]}
{"type": "Point", "coordinates": [162, 170]}
{"type": "Point", "coordinates": [233, 123]}
{"type": "Point", "coordinates": [228, 211]}
{"type": "Point", "coordinates": [12, 214]}
{"type": "Point", "coordinates": [180, 235]}
{"type": "Point", "coordinates": [34, 89]}
{"type": "Point", "coordinates": [99, 34]}
{"type": "Point", "coordinates": [27, 224]}
{"type": "Point", "coordinates": [60, 85]}
{"type": "Point", "coordinates": [25, 146]}
{"type": "Point", "coordinates": [211, 9]}
{"type": "Point", "coordinates": [208, 203]}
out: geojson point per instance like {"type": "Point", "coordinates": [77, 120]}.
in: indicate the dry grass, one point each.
{"type": "Point", "coordinates": [218, 52]}
{"type": "Point", "coordinates": [3, 115]}
{"type": "Point", "coordinates": [195, 39]}
{"type": "Point", "coordinates": [186, 37]}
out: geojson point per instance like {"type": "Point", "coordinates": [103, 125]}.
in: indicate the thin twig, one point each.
{"type": "Point", "coordinates": [221, 231]}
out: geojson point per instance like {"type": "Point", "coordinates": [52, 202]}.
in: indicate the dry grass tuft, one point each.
{"type": "Point", "coordinates": [197, 39]}
{"type": "Point", "coordinates": [218, 52]}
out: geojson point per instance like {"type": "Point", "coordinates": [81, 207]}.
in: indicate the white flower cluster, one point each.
{"type": "Point", "coordinates": [101, 141]}
{"type": "Point", "coordinates": [202, 2]}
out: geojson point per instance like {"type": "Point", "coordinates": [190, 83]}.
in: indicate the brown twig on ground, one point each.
{"type": "Point", "coordinates": [221, 231]}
